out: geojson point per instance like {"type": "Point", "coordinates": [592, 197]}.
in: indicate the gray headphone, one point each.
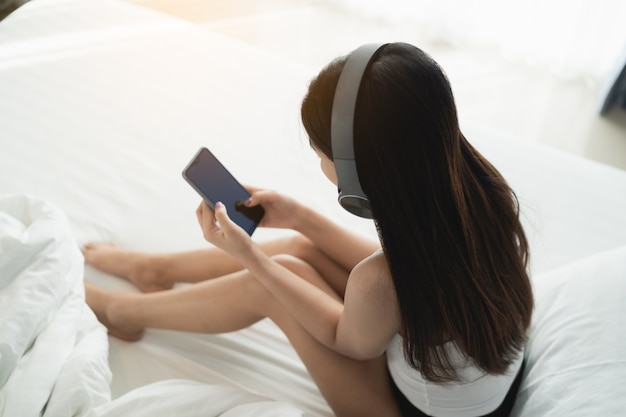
{"type": "Point", "coordinates": [351, 196]}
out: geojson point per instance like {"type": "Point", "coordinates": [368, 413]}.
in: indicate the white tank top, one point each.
{"type": "Point", "coordinates": [476, 394]}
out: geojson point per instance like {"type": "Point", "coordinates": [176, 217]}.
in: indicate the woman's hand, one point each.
{"type": "Point", "coordinates": [280, 211]}
{"type": "Point", "coordinates": [221, 231]}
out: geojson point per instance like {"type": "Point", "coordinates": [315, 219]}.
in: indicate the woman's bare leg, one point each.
{"type": "Point", "coordinates": [351, 387]}
{"type": "Point", "coordinates": [159, 271]}
{"type": "Point", "coordinates": [155, 272]}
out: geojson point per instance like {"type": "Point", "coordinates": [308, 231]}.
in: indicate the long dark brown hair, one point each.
{"type": "Point", "coordinates": [447, 220]}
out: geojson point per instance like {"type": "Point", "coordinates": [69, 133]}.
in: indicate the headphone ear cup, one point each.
{"type": "Point", "coordinates": [356, 205]}
{"type": "Point", "coordinates": [351, 196]}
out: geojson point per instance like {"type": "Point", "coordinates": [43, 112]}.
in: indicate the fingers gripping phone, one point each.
{"type": "Point", "coordinates": [214, 183]}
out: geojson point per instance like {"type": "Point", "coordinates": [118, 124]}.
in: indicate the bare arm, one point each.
{"type": "Point", "coordinates": [360, 327]}
{"type": "Point", "coordinates": [345, 247]}
{"type": "Point", "coordinates": [339, 243]}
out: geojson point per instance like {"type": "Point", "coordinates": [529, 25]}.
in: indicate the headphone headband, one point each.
{"type": "Point", "coordinates": [351, 196]}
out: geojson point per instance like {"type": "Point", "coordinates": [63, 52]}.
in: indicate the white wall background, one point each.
{"type": "Point", "coordinates": [574, 39]}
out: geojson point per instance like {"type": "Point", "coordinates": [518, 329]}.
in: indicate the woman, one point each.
{"type": "Point", "coordinates": [433, 324]}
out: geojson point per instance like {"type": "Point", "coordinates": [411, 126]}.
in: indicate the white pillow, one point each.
{"type": "Point", "coordinates": [576, 355]}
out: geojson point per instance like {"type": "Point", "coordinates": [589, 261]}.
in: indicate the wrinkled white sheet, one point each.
{"type": "Point", "coordinates": [182, 398]}
{"type": "Point", "coordinates": [53, 351]}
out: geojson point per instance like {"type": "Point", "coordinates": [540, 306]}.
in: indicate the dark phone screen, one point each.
{"type": "Point", "coordinates": [214, 183]}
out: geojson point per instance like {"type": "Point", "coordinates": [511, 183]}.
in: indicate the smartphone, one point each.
{"type": "Point", "coordinates": [214, 183]}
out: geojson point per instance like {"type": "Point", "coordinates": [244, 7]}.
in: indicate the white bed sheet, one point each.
{"type": "Point", "coordinates": [103, 103]}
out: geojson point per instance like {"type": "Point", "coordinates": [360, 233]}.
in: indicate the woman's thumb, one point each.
{"type": "Point", "coordinates": [221, 214]}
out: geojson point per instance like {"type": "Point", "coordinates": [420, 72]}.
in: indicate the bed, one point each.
{"type": "Point", "coordinates": [103, 103]}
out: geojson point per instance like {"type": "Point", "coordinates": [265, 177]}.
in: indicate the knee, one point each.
{"type": "Point", "coordinates": [300, 247]}
{"type": "Point", "coordinates": [293, 263]}
{"type": "Point", "coordinates": [305, 271]}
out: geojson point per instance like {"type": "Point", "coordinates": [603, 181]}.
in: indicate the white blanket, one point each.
{"type": "Point", "coordinates": [53, 351]}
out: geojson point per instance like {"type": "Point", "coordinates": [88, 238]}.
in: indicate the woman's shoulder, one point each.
{"type": "Point", "coordinates": [376, 262]}
{"type": "Point", "coordinates": [373, 272]}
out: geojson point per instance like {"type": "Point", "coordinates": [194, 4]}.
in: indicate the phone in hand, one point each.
{"type": "Point", "coordinates": [214, 183]}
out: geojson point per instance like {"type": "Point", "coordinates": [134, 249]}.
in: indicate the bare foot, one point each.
{"type": "Point", "coordinates": [105, 304]}
{"type": "Point", "coordinates": [139, 268]}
